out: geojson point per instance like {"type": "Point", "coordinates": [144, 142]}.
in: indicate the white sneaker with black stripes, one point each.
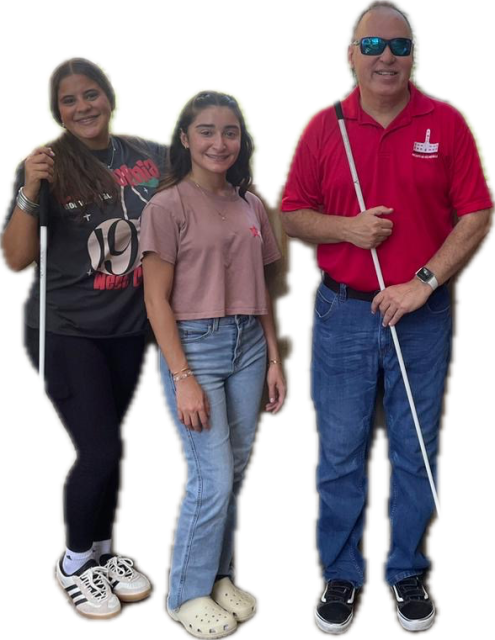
{"type": "Point", "coordinates": [128, 584]}
{"type": "Point", "coordinates": [89, 590]}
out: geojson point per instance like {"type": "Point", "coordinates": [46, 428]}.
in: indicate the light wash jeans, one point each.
{"type": "Point", "coordinates": [351, 352]}
{"type": "Point", "coordinates": [228, 358]}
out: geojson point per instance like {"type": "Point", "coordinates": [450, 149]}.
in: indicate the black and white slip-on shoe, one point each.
{"type": "Point", "coordinates": [415, 610]}
{"type": "Point", "coordinates": [335, 611]}
{"type": "Point", "coordinates": [128, 584]}
{"type": "Point", "coordinates": [89, 590]}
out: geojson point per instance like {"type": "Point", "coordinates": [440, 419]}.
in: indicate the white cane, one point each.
{"type": "Point", "coordinates": [379, 275]}
{"type": "Point", "coordinates": [43, 259]}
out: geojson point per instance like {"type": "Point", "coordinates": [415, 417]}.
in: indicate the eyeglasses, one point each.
{"type": "Point", "coordinates": [374, 46]}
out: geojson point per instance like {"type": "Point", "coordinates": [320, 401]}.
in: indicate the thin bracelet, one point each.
{"type": "Point", "coordinates": [181, 371]}
{"type": "Point", "coordinates": [274, 361]}
{"type": "Point", "coordinates": [183, 376]}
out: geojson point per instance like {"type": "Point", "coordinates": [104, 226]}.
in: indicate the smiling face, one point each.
{"type": "Point", "coordinates": [85, 110]}
{"type": "Point", "coordinates": [214, 141]}
{"type": "Point", "coordinates": [384, 76]}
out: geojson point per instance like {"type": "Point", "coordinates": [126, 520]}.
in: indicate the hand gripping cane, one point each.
{"type": "Point", "coordinates": [44, 193]}
{"type": "Point", "coordinates": [379, 275]}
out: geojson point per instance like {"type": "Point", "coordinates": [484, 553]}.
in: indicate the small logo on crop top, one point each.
{"type": "Point", "coordinates": [256, 232]}
{"type": "Point", "coordinates": [426, 149]}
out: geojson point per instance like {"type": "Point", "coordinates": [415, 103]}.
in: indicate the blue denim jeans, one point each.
{"type": "Point", "coordinates": [228, 358]}
{"type": "Point", "coordinates": [351, 352]}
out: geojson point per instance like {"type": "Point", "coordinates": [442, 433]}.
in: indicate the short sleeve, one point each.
{"type": "Point", "coordinates": [160, 153]}
{"type": "Point", "coordinates": [468, 190]}
{"type": "Point", "coordinates": [18, 183]}
{"type": "Point", "coordinates": [303, 187]}
{"type": "Point", "coordinates": [160, 232]}
{"type": "Point", "coordinates": [270, 250]}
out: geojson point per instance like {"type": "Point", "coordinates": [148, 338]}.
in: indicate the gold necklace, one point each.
{"type": "Point", "coordinates": [203, 191]}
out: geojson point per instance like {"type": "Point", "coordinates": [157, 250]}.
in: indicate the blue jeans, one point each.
{"type": "Point", "coordinates": [228, 358]}
{"type": "Point", "coordinates": [352, 351]}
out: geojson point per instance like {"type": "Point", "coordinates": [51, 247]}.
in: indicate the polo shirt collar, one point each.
{"type": "Point", "coordinates": [418, 105]}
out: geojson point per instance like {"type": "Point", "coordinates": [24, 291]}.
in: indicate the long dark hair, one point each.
{"type": "Point", "coordinates": [78, 173]}
{"type": "Point", "coordinates": [239, 174]}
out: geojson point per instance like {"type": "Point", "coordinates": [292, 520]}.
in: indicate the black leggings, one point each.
{"type": "Point", "coordinates": [91, 383]}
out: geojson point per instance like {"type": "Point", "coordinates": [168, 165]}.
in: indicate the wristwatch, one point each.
{"type": "Point", "coordinates": [427, 277]}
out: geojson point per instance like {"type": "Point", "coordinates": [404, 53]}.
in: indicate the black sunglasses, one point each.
{"type": "Point", "coordinates": [374, 46]}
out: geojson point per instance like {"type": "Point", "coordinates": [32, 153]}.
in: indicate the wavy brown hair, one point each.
{"type": "Point", "coordinates": [239, 174]}
{"type": "Point", "coordinates": [78, 173]}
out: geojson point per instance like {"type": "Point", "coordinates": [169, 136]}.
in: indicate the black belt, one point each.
{"type": "Point", "coordinates": [332, 284]}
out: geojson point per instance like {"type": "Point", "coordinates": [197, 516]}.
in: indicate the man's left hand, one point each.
{"type": "Point", "coordinates": [397, 300]}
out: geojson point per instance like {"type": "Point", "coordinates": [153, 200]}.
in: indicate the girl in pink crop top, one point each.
{"type": "Point", "coordinates": [205, 240]}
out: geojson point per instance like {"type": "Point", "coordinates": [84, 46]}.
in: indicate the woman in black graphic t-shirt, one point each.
{"type": "Point", "coordinates": [95, 319]}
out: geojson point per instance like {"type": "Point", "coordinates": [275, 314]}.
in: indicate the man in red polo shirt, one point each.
{"type": "Point", "coordinates": [429, 208]}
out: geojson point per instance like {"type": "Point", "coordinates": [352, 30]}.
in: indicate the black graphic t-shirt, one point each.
{"type": "Point", "coordinates": [94, 274]}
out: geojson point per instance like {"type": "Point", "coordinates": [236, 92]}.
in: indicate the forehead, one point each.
{"type": "Point", "coordinates": [76, 83]}
{"type": "Point", "coordinates": [218, 116]}
{"type": "Point", "coordinates": [383, 22]}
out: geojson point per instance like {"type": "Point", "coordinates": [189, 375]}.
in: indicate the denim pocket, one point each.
{"type": "Point", "coordinates": [326, 301]}
{"type": "Point", "coordinates": [439, 301]}
{"type": "Point", "coordinates": [193, 330]}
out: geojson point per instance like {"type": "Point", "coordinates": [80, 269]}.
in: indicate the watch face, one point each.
{"type": "Point", "coordinates": [425, 274]}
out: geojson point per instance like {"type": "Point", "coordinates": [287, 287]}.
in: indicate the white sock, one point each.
{"type": "Point", "coordinates": [100, 548]}
{"type": "Point", "coordinates": [74, 560]}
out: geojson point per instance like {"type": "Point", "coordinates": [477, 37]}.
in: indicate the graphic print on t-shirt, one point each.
{"type": "Point", "coordinates": [113, 246]}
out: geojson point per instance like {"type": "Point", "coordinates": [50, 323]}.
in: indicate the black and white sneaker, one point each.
{"type": "Point", "coordinates": [335, 610]}
{"type": "Point", "coordinates": [415, 610]}
{"type": "Point", "coordinates": [89, 590]}
{"type": "Point", "coordinates": [128, 584]}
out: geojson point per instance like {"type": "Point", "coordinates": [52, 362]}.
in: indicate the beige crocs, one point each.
{"type": "Point", "coordinates": [240, 604]}
{"type": "Point", "coordinates": [204, 618]}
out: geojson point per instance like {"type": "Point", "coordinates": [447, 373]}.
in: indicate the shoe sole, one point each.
{"type": "Point", "coordinates": [220, 634]}
{"type": "Point", "coordinates": [416, 625]}
{"type": "Point", "coordinates": [244, 618]}
{"type": "Point", "coordinates": [137, 597]}
{"type": "Point", "coordinates": [92, 616]}
{"type": "Point", "coordinates": [328, 627]}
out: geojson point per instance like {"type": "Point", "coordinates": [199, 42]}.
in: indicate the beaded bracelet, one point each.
{"type": "Point", "coordinates": [27, 205]}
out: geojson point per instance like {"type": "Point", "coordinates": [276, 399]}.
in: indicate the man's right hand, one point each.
{"type": "Point", "coordinates": [368, 229]}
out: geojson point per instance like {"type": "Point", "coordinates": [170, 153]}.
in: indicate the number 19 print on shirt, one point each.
{"type": "Point", "coordinates": [113, 246]}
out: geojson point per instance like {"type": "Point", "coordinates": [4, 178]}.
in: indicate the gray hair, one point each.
{"type": "Point", "coordinates": [375, 4]}
{"type": "Point", "coordinates": [381, 5]}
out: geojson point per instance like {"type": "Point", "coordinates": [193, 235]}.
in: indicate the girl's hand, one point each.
{"type": "Point", "coordinates": [38, 166]}
{"type": "Point", "coordinates": [276, 388]}
{"type": "Point", "coordinates": [193, 407]}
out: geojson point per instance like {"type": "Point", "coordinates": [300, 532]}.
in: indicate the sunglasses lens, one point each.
{"type": "Point", "coordinates": [401, 46]}
{"type": "Point", "coordinates": [372, 46]}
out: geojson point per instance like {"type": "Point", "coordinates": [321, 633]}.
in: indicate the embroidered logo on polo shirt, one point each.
{"type": "Point", "coordinates": [426, 149]}
{"type": "Point", "coordinates": [256, 232]}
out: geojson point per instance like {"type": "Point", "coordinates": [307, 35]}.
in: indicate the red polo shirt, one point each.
{"type": "Point", "coordinates": [424, 165]}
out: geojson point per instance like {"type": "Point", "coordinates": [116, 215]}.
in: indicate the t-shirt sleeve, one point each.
{"type": "Point", "coordinates": [271, 251]}
{"type": "Point", "coordinates": [303, 187]}
{"type": "Point", "coordinates": [468, 191]}
{"type": "Point", "coordinates": [160, 232]}
{"type": "Point", "coordinates": [160, 154]}
{"type": "Point", "coordinates": [18, 183]}
{"type": "Point", "coordinates": [270, 248]}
